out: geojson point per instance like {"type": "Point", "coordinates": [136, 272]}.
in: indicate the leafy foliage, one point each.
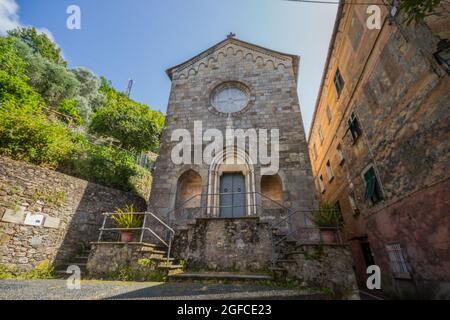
{"type": "Point", "coordinates": [15, 92]}
{"type": "Point", "coordinates": [40, 43]}
{"type": "Point", "coordinates": [69, 108]}
{"type": "Point", "coordinates": [53, 82]}
{"type": "Point", "coordinates": [32, 137]}
{"type": "Point", "coordinates": [127, 218]}
{"type": "Point", "coordinates": [89, 98]}
{"type": "Point", "coordinates": [416, 10]}
{"type": "Point", "coordinates": [326, 217]}
{"type": "Point", "coordinates": [136, 126]}
{"type": "Point", "coordinates": [104, 165]}
{"type": "Point", "coordinates": [44, 270]}
{"type": "Point", "coordinates": [10, 61]}
{"type": "Point", "coordinates": [35, 83]}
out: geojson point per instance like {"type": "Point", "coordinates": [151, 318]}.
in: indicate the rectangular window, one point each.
{"type": "Point", "coordinates": [340, 154]}
{"type": "Point", "coordinates": [338, 82]}
{"type": "Point", "coordinates": [397, 259]}
{"type": "Point", "coordinates": [329, 114]}
{"type": "Point", "coordinates": [321, 185]}
{"type": "Point", "coordinates": [321, 135]}
{"type": "Point", "coordinates": [329, 171]}
{"type": "Point", "coordinates": [353, 127]}
{"type": "Point", "coordinates": [373, 189]}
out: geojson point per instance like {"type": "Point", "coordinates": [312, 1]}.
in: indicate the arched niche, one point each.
{"type": "Point", "coordinates": [189, 189]}
{"type": "Point", "coordinates": [272, 191]}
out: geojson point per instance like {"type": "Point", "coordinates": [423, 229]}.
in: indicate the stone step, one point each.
{"type": "Point", "coordinates": [149, 248]}
{"type": "Point", "coordinates": [79, 264]}
{"type": "Point", "coordinates": [275, 269]}
{"type": "Point", "coordinates": [80, 259]}
{"type": "Point", "coordinates": [218, 276]}
{"type": "Point", "coordinates": [170, 266]}
{"type": "Point", "coordinates": [286, 260]}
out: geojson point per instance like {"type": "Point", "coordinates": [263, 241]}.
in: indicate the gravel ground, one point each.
{"type": "Point", "coordinates": [94, 290]}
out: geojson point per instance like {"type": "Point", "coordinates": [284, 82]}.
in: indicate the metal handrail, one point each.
{"type": "Point", "coordinates": [182, 206]}
{"type": "Point", "coordinates": [143, 229]}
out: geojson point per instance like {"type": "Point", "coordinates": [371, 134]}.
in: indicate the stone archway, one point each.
{"type": "Point", "coordinates": [229, 161]}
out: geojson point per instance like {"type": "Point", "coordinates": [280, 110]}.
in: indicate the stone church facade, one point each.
{"type": "Point", "coordinates": [237, 85]}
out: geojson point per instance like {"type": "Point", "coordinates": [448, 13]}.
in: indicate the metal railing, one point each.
{"type": "Point", "coordinates": [205, 208]}
{"type": "Point", "coordinates": [166, 242]}
{"type": "Point", "coordinates": [287, 218]}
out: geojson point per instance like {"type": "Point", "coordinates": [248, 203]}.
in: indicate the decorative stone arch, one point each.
{"type": "Point", "coordinates": [272, 189]}
{"type": "Point", "coordinates": [189, 185]}
{"type": "Point", "coordinates": [235, 160]}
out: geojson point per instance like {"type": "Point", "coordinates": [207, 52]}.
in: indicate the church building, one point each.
{"type": "Point", "coordinates": [235, 85]}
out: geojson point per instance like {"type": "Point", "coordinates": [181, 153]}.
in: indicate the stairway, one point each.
{"type": "Point", "coordinates": [159, 258]}
{"type": "Point", "coordinates": [79, 260]}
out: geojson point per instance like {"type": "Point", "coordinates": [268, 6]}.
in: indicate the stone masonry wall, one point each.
{"type": "Point", "coordinates": [322, 266]}
{"type": "Point", "coordinates": [71, 208]}
{"type": "Point", "coordinates": [225, 245]}
{"type": "Point", "coordinates": [400, 96]}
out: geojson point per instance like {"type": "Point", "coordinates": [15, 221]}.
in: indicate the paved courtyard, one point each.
{"type": "Point", "coordinates": [94, 290]}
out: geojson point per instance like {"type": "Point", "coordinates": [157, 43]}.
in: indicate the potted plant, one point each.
{"type": "Point", "coordinates": [327, 220]}
{"type": "Point", "coordinates": [127, 219]}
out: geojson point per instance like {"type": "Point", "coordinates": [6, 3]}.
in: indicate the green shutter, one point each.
{"type": "Point", "coordinates": [371, 181]}
{"type": "Point", "coordinates": [370, 188]}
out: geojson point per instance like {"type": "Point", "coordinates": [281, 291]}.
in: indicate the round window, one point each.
{"type": "Point", "coordinates": [230, 97]}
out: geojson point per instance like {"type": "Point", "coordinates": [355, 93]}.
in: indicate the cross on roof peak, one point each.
{"type": "Point", "coordinates": [231, 35]}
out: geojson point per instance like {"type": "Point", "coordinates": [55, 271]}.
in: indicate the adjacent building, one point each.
{"type": "Point", "coordinates": [379, 146]}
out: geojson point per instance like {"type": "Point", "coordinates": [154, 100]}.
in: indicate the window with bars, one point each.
{"type": "Point", "coordinates": [397, 259]}
{"type": "Point", "coordinates": [373, 189]}
{"type": "Point", "coordinates": [338, 82]}
{"type": "Point", "coordinates": [353, 127]}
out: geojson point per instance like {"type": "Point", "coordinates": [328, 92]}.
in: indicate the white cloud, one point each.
{"type": "Point", "coordinates": [9, 18]}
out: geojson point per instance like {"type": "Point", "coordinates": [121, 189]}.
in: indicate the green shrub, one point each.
{"type": "Point", "coordinates": [16, 93]}
{"type": "Point", "coordinates": [69, 108]}
{"type": "Point", "coordinates": [32, 137]}
{"type": "Point", "coordinates": [7, 272]}
{"type": "Point", "coordinates": [104, 165]}
{"type": "Point", "coordinates": [44, 270]}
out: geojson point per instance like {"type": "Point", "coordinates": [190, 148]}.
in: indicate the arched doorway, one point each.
{"type": "Point", "coordinates": [231, 168]}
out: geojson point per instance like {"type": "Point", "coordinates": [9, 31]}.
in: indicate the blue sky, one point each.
{"type": "Point", "coordinates": [140, 39]}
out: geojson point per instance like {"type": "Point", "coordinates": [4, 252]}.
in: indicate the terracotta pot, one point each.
{"type": "Point", "coordinates": [127, 236]}
{"type": "Point", "coordinates": [328, 236]}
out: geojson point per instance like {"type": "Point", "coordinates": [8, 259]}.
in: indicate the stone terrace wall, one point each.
{"type": "Point", "coordinates": [225, 245]}
{"type": "Point", "coordinates": [71, 208]}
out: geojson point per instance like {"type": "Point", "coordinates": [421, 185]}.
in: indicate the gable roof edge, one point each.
{"type": "Point", "coordinates": [201, 55]}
